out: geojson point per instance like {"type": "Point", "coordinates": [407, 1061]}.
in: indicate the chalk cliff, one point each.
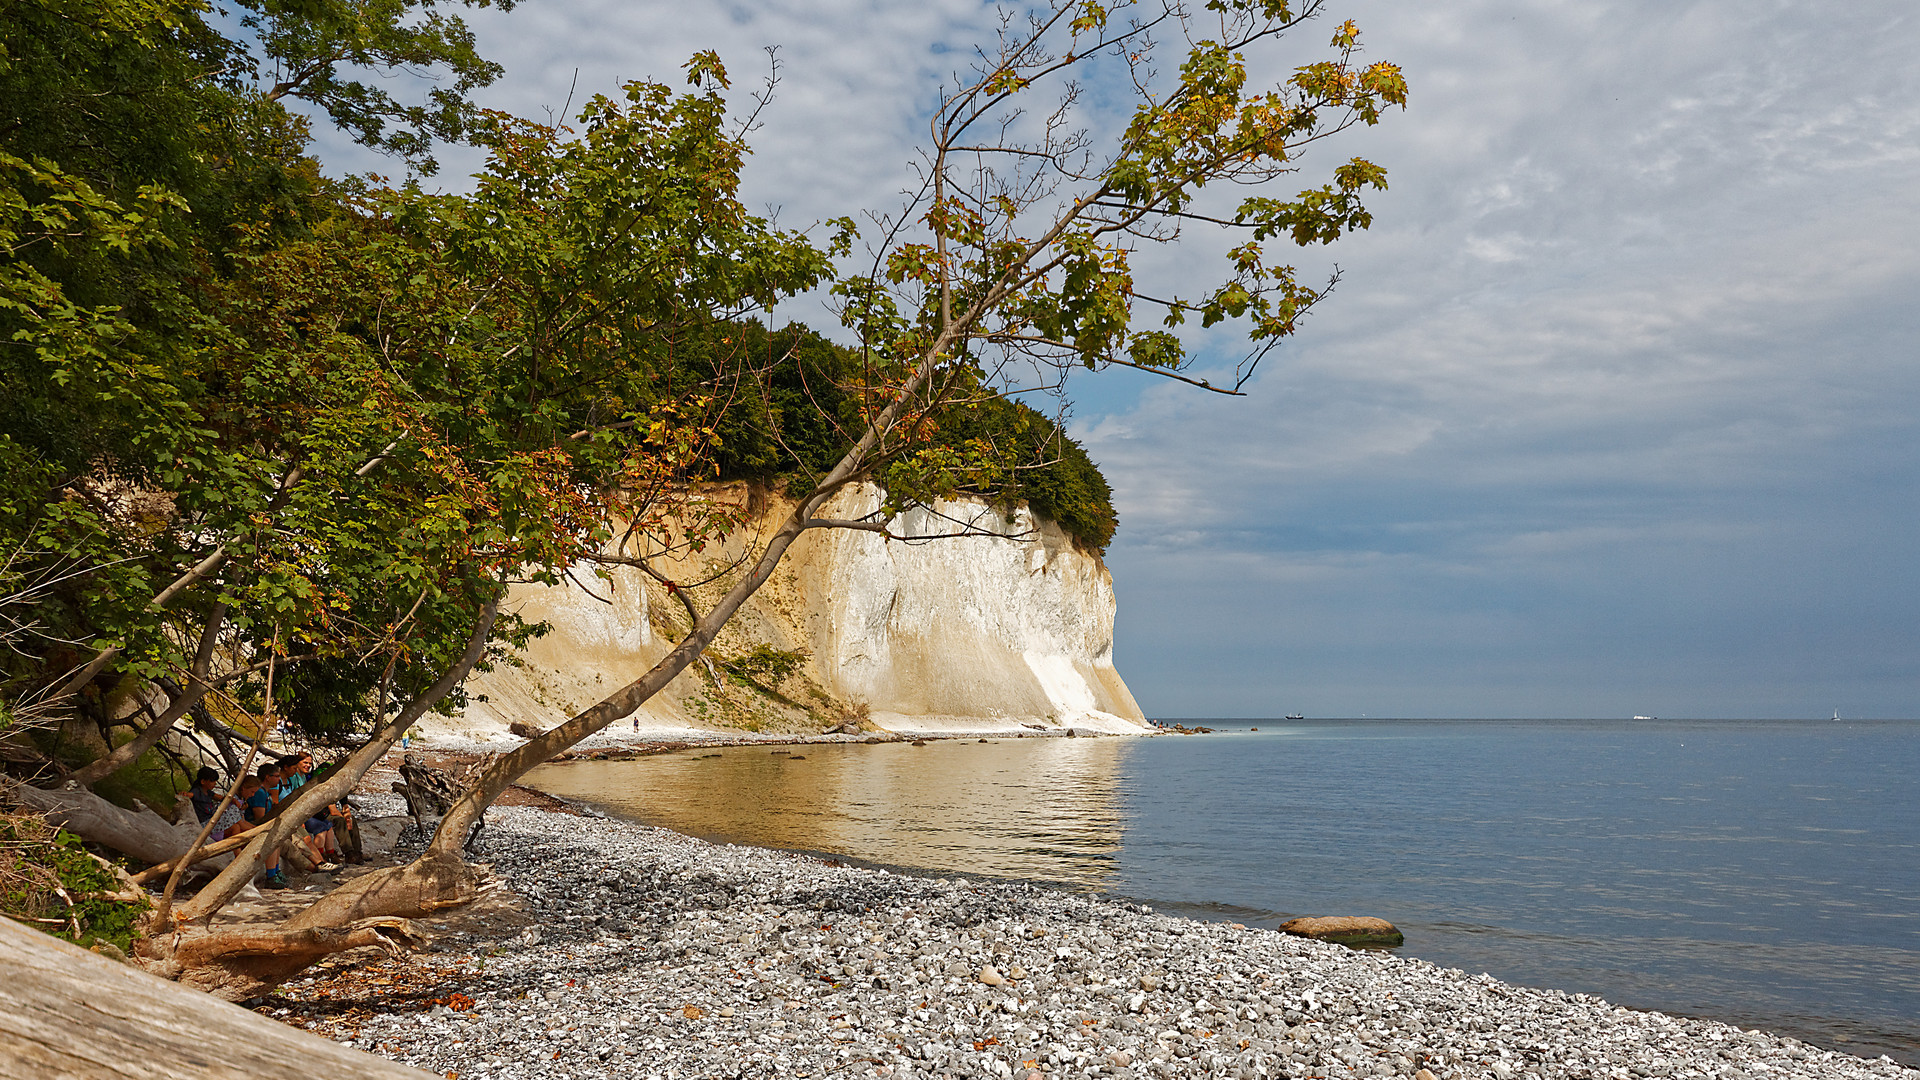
{"type": "Point", "coordinates": [973, 633]}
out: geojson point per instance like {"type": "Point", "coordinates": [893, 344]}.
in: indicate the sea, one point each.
{"type": "Point", "coordinates": [1764, 873]}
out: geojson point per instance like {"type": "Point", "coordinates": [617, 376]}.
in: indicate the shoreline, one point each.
{"type": "Point", "coordinates": [458, 737]}
{"type": "Point", "coordinates": [615, 744]}
{"type": "Point", "coordinates": [626, 950]}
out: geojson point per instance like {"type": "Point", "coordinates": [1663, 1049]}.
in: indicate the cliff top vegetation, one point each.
{"type": "Point", "coordinates": [798, 416]}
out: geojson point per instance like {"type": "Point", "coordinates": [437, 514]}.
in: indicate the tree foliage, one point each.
{"type": "Point", "coordinates": [327, 421]}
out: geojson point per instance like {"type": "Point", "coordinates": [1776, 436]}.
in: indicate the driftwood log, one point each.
{"type": "Point", "coordinates": [142, 834]}
{"type": "Point", "coordinates": [67, 1014]}
{"type": "Point", "coordinates": [430, 792]}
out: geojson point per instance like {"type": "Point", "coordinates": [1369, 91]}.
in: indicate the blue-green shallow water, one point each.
{"type": "Point", "coordinates": [1766, 873]}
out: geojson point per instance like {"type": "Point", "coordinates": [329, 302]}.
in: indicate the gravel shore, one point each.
{"type": "Point", "coordinates": [647, 954]}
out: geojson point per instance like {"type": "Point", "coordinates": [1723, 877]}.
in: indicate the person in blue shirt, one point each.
{"type": "Point", "coordinates": [294, 772]}
{"type": "Point", "coordinates": [273, 776]}
{"type": "Point", "coordinates": [261, 805]}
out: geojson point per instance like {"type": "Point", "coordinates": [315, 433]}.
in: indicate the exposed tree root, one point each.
{"type": "Point", "coordinates": [433, 882]}
{"type": "Point", "coordinates": [239, 964]}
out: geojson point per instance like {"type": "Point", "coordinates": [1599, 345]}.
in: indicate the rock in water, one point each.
{"type": "Point", "coordinates": [1345, 930]}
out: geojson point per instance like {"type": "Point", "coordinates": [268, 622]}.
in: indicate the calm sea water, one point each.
{"type": "Point", "coordinates": [1765, 873]}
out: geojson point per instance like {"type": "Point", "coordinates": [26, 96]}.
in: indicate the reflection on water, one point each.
{"type": "Point", "coordinates": [1764, 873]}
{"type": "Point", "coordinates": [1035, 809]}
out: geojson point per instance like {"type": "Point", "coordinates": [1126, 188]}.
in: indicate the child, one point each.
{"type": "Point", "coordinates": [260, 806]}
{"type": "Point", "coordinates": [229, 822]}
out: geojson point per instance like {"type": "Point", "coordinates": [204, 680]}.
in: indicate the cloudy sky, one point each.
{"type": "Point", "coordinates": [1612, 413]}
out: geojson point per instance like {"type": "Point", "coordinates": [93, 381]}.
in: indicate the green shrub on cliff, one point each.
{"type": "Point", "coordinates": [790, 420]}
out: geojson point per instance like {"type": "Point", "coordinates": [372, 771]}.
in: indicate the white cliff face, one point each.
{"type": "Point", "coordinates": [970, 633]}
{"type": "Point", "coordinates": [971, 626]}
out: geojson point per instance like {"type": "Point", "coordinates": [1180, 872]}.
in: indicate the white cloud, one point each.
{"type": "Point", "coordinates": [1632, 340]}
{"type": "Point", "coordinates": [1614, 404]}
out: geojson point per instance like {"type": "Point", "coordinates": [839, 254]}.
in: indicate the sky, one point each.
{"type": "Point", "coordinates": [1612, 413]}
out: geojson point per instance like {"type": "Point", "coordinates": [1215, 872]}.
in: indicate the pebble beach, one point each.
{"type": "Point", "coordinates": [642, 953]}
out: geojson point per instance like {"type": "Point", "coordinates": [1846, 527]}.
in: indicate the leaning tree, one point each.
{"type": "Point", "coordinates": [1013, 257]}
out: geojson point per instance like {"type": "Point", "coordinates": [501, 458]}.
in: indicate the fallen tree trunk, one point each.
{"type": "Point", "coordinates": [141, 834]}
{"type": "Point", "coordinates": [209, 852]}
{"type": "Point", "coordinates": [68, 1013]}
{"type": "Point", "coordinates": [433, 882]}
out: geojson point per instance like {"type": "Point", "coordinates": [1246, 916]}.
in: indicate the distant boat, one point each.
{"type": "Point", "coordinates": [1297, 716]}
{"type": "Point", "coordinates": [1836, 714]}
{"type": "Point", "coordinates": [1646, 718]}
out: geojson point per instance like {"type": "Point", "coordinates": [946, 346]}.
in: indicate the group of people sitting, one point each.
{"type": "Point", "coordinates": [331, 837]}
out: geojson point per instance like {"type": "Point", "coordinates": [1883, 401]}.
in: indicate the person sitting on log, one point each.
{"type": "Point", "coordinates": [295, 770]}
{"type": "Point", "coordinates": [321, 844]}
{"type": "Point", "coordinates": [270, 792]}
{"type": "Point", "coordinates": [346, 829]}
{"type": "Point", "coordinates": [261, 805]}
{"type": "Point", "coordinates": [206, 793]}
{"type": "Point", "coordinates": [231, 820]}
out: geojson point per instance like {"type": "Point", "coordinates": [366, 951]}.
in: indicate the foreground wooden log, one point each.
{"type": "Point", "coordinates": [67, 1014]}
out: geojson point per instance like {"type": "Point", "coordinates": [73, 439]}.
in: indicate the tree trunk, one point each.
{"type": "Point", "coordinates": [511, 766]}
{"type": "Point", "coordinates": [188, 697]}
{"type": "Point", "coordinates": [508, 767]}
{"type": "Point", "coordinates": [222, 739]}
{"type": "Point", "coordinates": [141, 834]}
{"type": "Point", "coordinates": [399, 891]}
